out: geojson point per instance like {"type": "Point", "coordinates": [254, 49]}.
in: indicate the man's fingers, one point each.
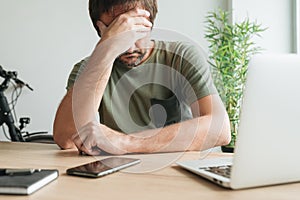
{"type": "Point", "coordinates": [142, 12]}
{"type": "Point", "coordinates": [90, 146]}
{"type": "Point", "coordinates": [141, 28]}
{"type": "Point", "coordinates": [93, 151]}
{"type": "Point", "coordinates": [86, 141]}
{"type": "Point", "coordinates": [86, 145]}
{"type": "Point", "coordinates": [79, 138]}
{"type": "Point", "coordinates": [143, 21]}
{"type": "Point", "coordinates": [78, 142]}
{"type": "Point", "coordinates": [138, 12]}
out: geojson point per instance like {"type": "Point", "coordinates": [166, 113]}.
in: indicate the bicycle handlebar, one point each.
{"type": "Point", "coordinates": [13, 75]}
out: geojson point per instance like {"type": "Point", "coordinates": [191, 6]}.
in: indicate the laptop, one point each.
{"type": "Point", "coordinates": [267, 147]}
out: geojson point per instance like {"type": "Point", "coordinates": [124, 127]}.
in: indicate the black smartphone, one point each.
{"type": "Point", "coordinates": [102, 167]}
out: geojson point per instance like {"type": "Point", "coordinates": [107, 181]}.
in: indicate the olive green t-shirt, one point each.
{"type": "Point", "coordinates": [156, 93]}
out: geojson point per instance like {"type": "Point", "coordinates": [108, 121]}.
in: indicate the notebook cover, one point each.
{"type": "Point", "coordinates": [26, 184]}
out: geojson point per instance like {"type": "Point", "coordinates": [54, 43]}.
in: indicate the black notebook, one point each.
{"type": "Point", "coordinates": [26, 184]}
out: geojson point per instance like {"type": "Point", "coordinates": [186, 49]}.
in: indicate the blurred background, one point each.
{"type": "Point", "coordinates": [43, 39]}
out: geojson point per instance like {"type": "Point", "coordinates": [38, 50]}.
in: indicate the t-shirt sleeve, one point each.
{"type": "Point", "coordinates": [196, 70]}
{"type": "Point", "coordinates": [76, 71]}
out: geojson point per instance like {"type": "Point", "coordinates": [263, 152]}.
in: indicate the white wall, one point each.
{"type": "Point", "coordinates": [42, 39]}
{"type": "Point", "coordinates": [187, 17]}
{"type": "Point", "coordinates": [276, 15]}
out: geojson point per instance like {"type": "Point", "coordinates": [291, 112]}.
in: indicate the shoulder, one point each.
{"type": "Point", "coordinates": [79, 66]}
{"type": "Point", "coordinates": [82, 63]}
{"type": "Point", "coordinates": [77, 69]}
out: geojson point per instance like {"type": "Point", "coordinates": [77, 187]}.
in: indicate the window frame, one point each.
{"type": "Point", "coordinates": [296, 19]}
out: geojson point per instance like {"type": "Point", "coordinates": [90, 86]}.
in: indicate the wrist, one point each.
{"type": "Point", "coordinates": [139, 143]}
{"type": "Point", "coordinates": [109, 48]}
{"type": "Point", "coordinates": [127, 143]}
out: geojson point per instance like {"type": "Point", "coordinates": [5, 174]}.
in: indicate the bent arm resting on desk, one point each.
{"type": "Point", "coordinates": [209, 128]}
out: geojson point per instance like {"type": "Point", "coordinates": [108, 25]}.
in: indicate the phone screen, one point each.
{"type": "Point", "coordinates": [102, 167]}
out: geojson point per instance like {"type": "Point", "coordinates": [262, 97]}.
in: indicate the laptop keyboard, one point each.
{"type": "Point", "coordinates": [219, 170]}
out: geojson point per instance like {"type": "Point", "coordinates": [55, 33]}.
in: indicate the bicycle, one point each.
{"type": "Point", "coordinates": [16, 134]}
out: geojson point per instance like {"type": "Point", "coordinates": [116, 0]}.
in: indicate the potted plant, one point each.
{"type": "Point", "coordinates": [230, 49]}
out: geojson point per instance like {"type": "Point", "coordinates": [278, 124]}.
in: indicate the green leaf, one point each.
{"type": "Point", "coordinates": [230, 49]}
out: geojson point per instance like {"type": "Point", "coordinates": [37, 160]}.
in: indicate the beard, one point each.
{"type": "Point", "coordinates": [131, 59]}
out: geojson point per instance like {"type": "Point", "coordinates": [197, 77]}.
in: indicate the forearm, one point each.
{"type": "Point", "coordinates": [64, 127]}
{"type": "Point", "coordinates": [195, 134]}
{"type": "Point", "coordinates": [81, 102]}
{"type": "Point", "coordinates": [90, 85]}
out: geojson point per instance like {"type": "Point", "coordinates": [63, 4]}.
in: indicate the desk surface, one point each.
{"type": "Point", "coordinates": [170, 182]}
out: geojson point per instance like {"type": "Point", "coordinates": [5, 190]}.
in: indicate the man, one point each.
{"type": "Point", "coordinates": [151, 96]}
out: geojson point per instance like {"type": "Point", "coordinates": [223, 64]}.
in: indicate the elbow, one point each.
{"type": "Point", "coordinates": [225, 138]}
{"type": "Point", "coordinates": [62, 133]}
{"type": "Point", "coordinates": [62, 142]}
{"type": "Point", "coordinates": [225, 134]}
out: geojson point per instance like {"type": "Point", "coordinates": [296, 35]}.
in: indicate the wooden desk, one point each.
{"type": "Point", "coordinates": [170, 182]}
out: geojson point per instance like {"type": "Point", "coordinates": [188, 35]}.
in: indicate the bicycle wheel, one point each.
{"type": "Point", "coordinates": [47, 139]}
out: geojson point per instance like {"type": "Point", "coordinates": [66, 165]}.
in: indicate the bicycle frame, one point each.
{"type": "Point", "coordinates": [6, 116]}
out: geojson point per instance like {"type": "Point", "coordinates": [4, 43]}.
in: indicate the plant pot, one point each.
{"type": "Point", "coordinates": [227, 149]}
